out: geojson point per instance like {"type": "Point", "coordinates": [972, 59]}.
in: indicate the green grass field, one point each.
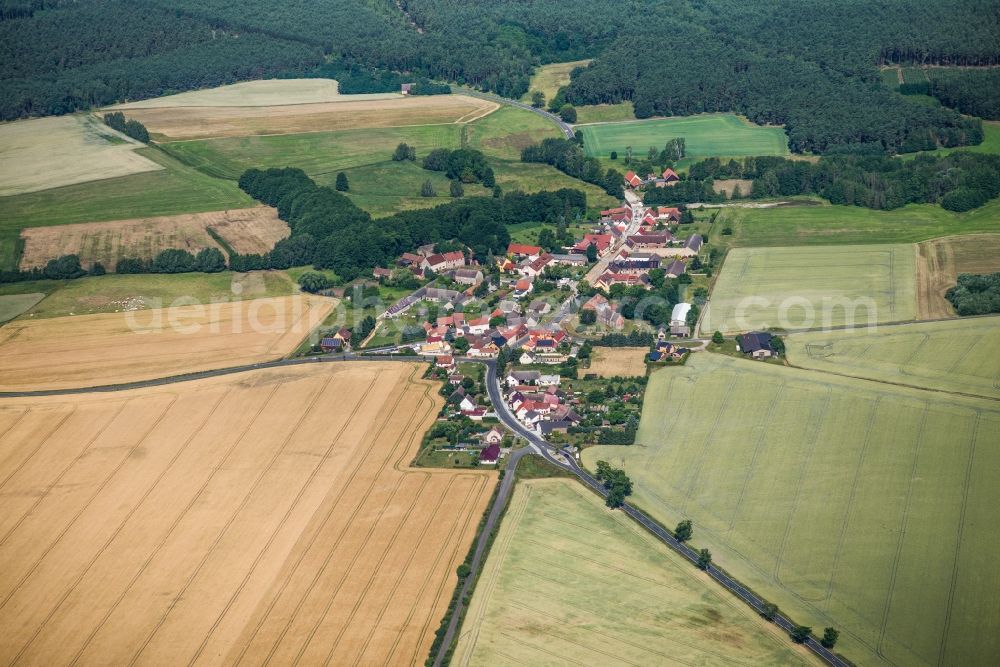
{"type": "Point", "coordinates": [550, 78]}
{"type": "Point", "coordinates": [175, 189]}
{"type": "Point", "coordinates": [605, 113]}
{"type": "Point", "coordinates": [825, 224]}
{"type": "Point", "coordinates": [708, 135]}
{"type": "Point", "coordinates": [952, 356]}
{"type": "Point", "coordinates": [849, 503]}
{"type": "Point", "coordinates": [890, 77]}
{"type": "Point", "coordinates": [991, 143]}
{"type": "Point", "coordinates": [506, 131]}
{"type": "Point", "coordinates": [12, 305]}
{"type": "Point", "coordinates": [569, 582]}
{"type": "Point", "coordinates": [112, 293]}
{"type": "Point", "coordinates": [809, 287]}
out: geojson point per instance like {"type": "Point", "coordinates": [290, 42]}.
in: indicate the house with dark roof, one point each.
{"type": "Point", "coordinates": [677, 268]}
{"type": "Point", "coordinates": [757, 344]}
{"type": "Point", "coordinates": [490, 454]}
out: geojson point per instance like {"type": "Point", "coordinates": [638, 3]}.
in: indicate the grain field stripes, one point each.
{"type": "Point", "coordinates": [193, 523]}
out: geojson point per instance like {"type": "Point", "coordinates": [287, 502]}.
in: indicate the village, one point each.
{"type": "Point", "coordinates": [540, 313]}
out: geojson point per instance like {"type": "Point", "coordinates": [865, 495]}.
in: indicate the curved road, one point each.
{"type": "Point", "coordinates": [566, 128]}
{"type": "Point", "coordinates": [536, 445]}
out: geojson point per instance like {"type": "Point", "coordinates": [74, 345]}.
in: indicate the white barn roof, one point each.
{"type": "Point", "coordinates": [680, 312]}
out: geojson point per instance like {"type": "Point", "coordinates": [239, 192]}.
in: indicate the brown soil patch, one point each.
{"type": "Point", "coordinates": [247, 230]}
{"type": "Point", "coordinates": [264, 515]}
{"type": "Point", "coordinates": [180, 123]}
{"type": "Point", "coordinates": [939, 261]}
{"type": "Point", "coordinates": [110, 348]}
{"type": "Point", "coordinates": [618, 361]}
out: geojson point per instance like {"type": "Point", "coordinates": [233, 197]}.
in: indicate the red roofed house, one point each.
{"type": "Point", "coordinates": [668, 213]}
{"type": "Point", "coordinates": [669, 177]}
{"type": "Point", "coordinates": [444, 261]}
{"type": "Point", "coordinates": [524, 250]}
{"type": "Point", "coordinates": [607, 313]}
{"type": "Point", "coordinates": [537, 267]}
{"type": "Point", "coordinates": [602, 241]}
{"type": "Point", "coordinates": [445, 361]}
{"type": "Point", "coordinates": [632, 179]}
{"type": "Point", "coordinates": [620, 214]}
{"type": "Point", "coordinates": [609, 279]}
{"type": "Point", "coordinates": [522, 288]}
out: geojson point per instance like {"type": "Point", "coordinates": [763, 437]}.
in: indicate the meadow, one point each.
{"type": "Point", "coordinates": [550, 78]}
{"type": "Point", "coordinates": [809, 287]}
{"type": "Point", "coordinates": [12, 305]}
{"type": "Point", "coordinates": [172, 190]}
{"type": "Point", "coordinates": [43, 153]}
{"type": "Point", "coordinates": [814, 223]}
{"type": "Point", "coordinates": [248, 230]}
{"type": "Point", "coordinates": [263, 516]}
{"type": "Point", "coordinates": [955, 356]}
{"type": "Point", "coordinates": [604, 113]}
{"type": "Point", "coordinates": [568, 581]}
{"type": "Point", "coordinates": [114, 293]}
{"type": "Point", "coordinates": [112, 348]}
{"type": "Point", "coordinates": [849, 503]}
{"type": "Point", "coordinates": [707, 135]}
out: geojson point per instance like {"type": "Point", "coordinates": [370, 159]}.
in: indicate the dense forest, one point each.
{"type": "Point", "coordinates": [331, 232]}
{"type": "Point", "coordinates": [972, 91]}
{"type": "Point", "coordinates": [958, 182]}
{"type": "Point", "coordinates": [809, 64]}
{"type": "Point", "coordinates": [976, 295]}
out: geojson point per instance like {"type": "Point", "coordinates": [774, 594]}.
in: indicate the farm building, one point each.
{"type": "Point", "coordinates": [601, 241]}
{"type": "Point", "coordinates": [524, 251]}
{"type": "Point", "coordinates": [677, 268]}
{"type": "Point", "coordinates": [757, 344]}
{"type": "Point", "coordinates": [569, 260]}
{"type": "Point", "coordinates": [444, 261]}
{"type": "Point", "coordinates": [678, 320]}
{"type": "Point", "coordinates": [467, 276]}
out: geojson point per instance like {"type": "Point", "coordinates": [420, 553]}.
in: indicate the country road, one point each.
{"type": "Point", "coordinates": [536, 445]}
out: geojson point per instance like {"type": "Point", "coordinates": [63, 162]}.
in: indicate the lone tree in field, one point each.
{"type": "Point", "coordinates": [770, 611]}
{"type": "Point", "coordinates": [427, 189]}
{"type": "Point", "coordinates": [800, 633]}
{"type": "Point", "coordinates": [342, 184]}
{"type": "Point", "coordinates": [568, 113]}
{"type": "Point", "coordinates": [538, 99]}
{"type": "Point", "coordinates": [614, 155]}
{"type": "Point", "coordinates": [683, 531]}
{"type": "Point", "coordinates": [704, 559]}
{"type": "Point", "coordinates": [717, 338]}
{"type": "Point", "coordinates": [404, 152]}
{"type": "Point", "coordinates": [830, 637]}
{"type": "Point", "coordinates": [456, 189]}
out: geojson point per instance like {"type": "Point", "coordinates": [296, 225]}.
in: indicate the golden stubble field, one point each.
{"type": "Point", "coordinates": [939, 261]}
{"type": "Point", "coordinates": [268, 516]}
{"type": "Point", "coordinates": [42, 153]}
{"type": "Point", "coordinates": [609, 362]}
{"type": "Point", "coordinates": [246, 230]}
{"type": "Point", "coordinates": [111, 348]}
{"type": "Point", "coordinates": [185, 123]}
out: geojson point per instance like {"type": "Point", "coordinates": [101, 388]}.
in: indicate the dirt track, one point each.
{"type": "Point", "coordinates": [88, 350]}
{"type": "Point", "coordinates": [238, 519]}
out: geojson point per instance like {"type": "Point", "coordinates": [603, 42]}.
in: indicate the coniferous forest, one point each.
{"type": "Point", "coordinates": [811, 65]}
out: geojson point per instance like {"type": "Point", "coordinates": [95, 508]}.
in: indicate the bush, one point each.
{"type": "Point", "coordinates": [313, 282]}
{"type": "Point", "coordinates": [66, 267]}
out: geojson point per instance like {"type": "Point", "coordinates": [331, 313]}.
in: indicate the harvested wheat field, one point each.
{"type": "Point", "coordinates": [263, 93]}
{"type": "Point", "coordinates": [182, 123]}
{"type": "Point", "coordinates": [246, 230]}
{"type": "Point", "coordinates": [264, 516]}
{"type": "Point", "coordinates": [112, 348]}
{"type": "Point", "coordinates": [939, 261]}
{"type": "Point", "coordinates": [609, 362]}
{"type": "Point", "coordinates": [43, 153]}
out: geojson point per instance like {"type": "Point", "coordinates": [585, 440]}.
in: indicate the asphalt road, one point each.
{"type": "Point", "coordinates": [536, 445]}
{"type": "Point", "coordinates": [566, 128]}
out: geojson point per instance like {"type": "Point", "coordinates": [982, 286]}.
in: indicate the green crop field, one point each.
{"type": "Point", "coordinates": [172, 190]}
{"type": "Point", "coordinates": [569, 582]}
{"type": "Point", "coordinates": [952, 356]}
{"type": "Point", "coordinates": [834, 225]}
{"type": "Point", "coordinates": [855, 504]}
{"type": "Point", "coordinates": [113, 292]}
{"type": "Point", "coordinates": [809, 287]}
{"type": "Point", "coordinates": [708, 135]}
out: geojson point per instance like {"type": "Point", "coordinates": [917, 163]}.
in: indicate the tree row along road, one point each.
{"type": "Point", "coordinates": [536, 445]}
